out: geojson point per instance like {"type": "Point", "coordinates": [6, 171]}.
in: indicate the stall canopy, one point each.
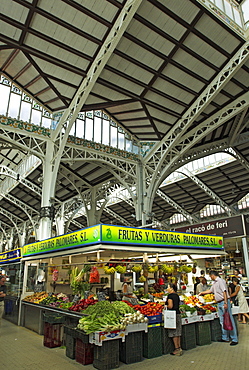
{"type": "Point", "coordinates": [125, 238]}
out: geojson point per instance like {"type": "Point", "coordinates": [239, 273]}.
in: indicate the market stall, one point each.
{"type": "Point", "coordinates": [12, 268]}
{"type": "Point", "coordinates": [70, 276]}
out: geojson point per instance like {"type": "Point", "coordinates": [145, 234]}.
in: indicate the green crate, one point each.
{"type": "Point", "coordinates": [152, 342]}
{"type": "Point", "coordinates": [70, 346]}
{"type": "Point", "coordinates": [167, 343]}
{"type": "Point", "coordinates": [188, 339]}
{"type": "Point", "coordinates": [107, 356]}
{"type": "Point", "coordinates": [216, 332]}
{"type": "Point", "coordinates": [203, 333]}
{"type": "Point", "coordinates": [131, 350]}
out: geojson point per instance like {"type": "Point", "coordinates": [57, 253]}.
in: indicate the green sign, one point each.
{"type": "Point", "coordinates": [153, 237]}
{"type": "Point", "coordinates": [78, 238]}
{"type": "Point", "coordinates": [109, 234]}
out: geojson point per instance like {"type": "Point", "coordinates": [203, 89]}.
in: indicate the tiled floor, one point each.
{"type": "Point", "coordinates": [23, 349]}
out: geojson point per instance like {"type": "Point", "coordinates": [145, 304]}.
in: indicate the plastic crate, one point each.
{"type": "Point", "coordinates": [155, 319]}
{"type": "Point", "coordinates": [107, 356]}
{"type": "Point", "coordinates": [167, 343]}
{"type": "Point", "coordinates": [70, 343]}
{"type": "Point", "coordinates": [152, 341]}
{"type": "Point", "coordinates": [216, 332]}
{"type": "Point", "coordinates": [132, 349]}
{"type": "Point", "coordinates": [84, 352]}
{"type": "Point", "coordinates": [188, 339]}
{"type": "Point", "coordinates": [54, 319]}
{"type": "Point", "coordinates": [52, 335]}
{"type": "Point", "coordinates": [203, 333]}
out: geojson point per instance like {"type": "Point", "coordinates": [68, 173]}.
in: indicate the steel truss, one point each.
{"type": "Point", "coordinates": [229, 210]}
{"type": "Point", "coordinates": [4, 170]}
{"type": "Point", "coordinates": [31, 143]}
{"type": "Point", "coordinates": [169, 161]}
{"type": "Point", "coordinates": [72, 154]}
{"type": "Point", "coordinates": [156, 156]}
{"type": "Point", "coordinates": [115, 215]}
{"type": "Point", "coordinates": [188, 216]}
{"type": "Point", "coordinates": [208, 149]}
{"type": "Point", "coordinates": [62, 131]}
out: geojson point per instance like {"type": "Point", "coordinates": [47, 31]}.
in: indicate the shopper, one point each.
{"type": "Point", "coordinates": [197, 281]}
{"type": "Point", "coordinates": [221, 295]}
{"type": "Point", "coordinates": [202, 286]}
{"type": "Point", "coordinates": [3, 290]}
{"type": "Point", "coordinates": [173, 302]}
{"type": "Point", "coordinates": [237, 274]}
{"type": "Point", "coordinates": [243, 306]}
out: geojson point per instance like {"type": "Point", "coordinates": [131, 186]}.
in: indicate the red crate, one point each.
{"type": "Point", "coordinates": [52, 335]}
{"type": "Point", "coordinates": [84, 352]}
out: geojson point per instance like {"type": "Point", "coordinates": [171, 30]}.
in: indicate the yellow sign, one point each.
{"type": "Point", "coordinates": [153, 237]}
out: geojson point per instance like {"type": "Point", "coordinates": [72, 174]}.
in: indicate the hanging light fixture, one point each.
{"type": "Point", "coordinates": [237, 248]}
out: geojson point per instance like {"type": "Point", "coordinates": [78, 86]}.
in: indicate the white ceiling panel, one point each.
{"type": "Point", "coordinates": [204, 50]}
{"type": "Point", "coordinates": [184, 9]}
{"type": "Point", "coordinates": [183, 78]}
{"type": "Point", "coordinates": [107, 93]}
{"type": "Point", "coordinates": [164, 102]}
{"type": "Point", "coordinates": [120, 81]}
{"type": "Point", "coordinates": [138, 53]}
{"type": "Point", "coordinates": [216, 33]}
{"type": "Point", "coordinates": [104, 9]}
{"type": "Point", "coordinates": [193, 64]}
{"type": "Point", "coordinates": [64, 35]}
{"type": "Point", "coordinates": [10, 31]}
{"type": "Point", "coordinates": [130, 69]}
{"type": "Point", "coordinates": [155, 16]}
{"type": "Point", "coordinates": [16, 11]}
{"type": "Point", "coordinates": [172, 90]}
{"type": "Point", "coordinates": [151, 38]}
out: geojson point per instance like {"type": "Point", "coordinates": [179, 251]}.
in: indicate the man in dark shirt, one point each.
{"type": "Point", "coordinates": [3, 290]}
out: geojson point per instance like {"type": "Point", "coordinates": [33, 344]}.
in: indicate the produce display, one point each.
{"type": "Point", "coordinates": [36, 297]}
{"type": "Point", "coordinates": [105, 316]}
{"type": "Point", "coordinates": [193, 304]}
{"type": "Point", "coordinates": [81, 305]}
{"type": "Point", "coordinates": [79, 280]}
{"type": "Point", "coordinates": [149, 309]}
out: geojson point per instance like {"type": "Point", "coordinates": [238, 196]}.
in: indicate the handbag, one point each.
{"type": "Point", "coordinates": [227, 322]}
{"type": "Point", "coordinates": [169, 319]}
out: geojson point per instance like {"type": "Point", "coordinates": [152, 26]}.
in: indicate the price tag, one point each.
{"type": "Point", "coordinates": [151, 298]}
{"type": "Point", "coordinates": [101, 296]}
{"type": "Point", "coordinates": [76, 298]}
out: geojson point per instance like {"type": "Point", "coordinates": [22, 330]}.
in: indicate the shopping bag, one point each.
{"type": "Point", "coordinates": [170, 319]}
{"type": "Point", "coordinates": [227, 323]}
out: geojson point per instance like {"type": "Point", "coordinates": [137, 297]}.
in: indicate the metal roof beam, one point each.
{"type": "Point", "coordinates": [229, 210]}
{"type": "Point", "coordinates": [70, 114]}
{"type": "Point", "coordinates": [155, 156]}
{"type": "Point", "coordinates": [188, 216]}
{"type": "Point", "coordinates": [117, 217]}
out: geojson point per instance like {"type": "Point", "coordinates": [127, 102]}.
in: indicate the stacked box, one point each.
{"type": "Point", "coordinates": [152, 341]}
{"type": "Point", "coordinates": [52, 335]}
{"type": "Point", "coordinates": [84, 352]}
{"type": "Point", "coordinates": [107, 356]}
{"type": "Point", "coordinates": [167, 343]}
{"type": "Point", "coordinates": [70, 346]}
{"type": "Point", "coordinates": [203, 333]}
{"type": "Point", "coordinates": [216, 333]}
{"type": "Point", "coordinates": [188, 339]}
{"type": "Point", "coordinates": [132, 349]}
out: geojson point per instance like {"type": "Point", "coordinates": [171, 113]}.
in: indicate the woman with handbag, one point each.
{"type": "Point", "coordinates": [243, 306]}
{"type": "Point", "coordinates": [173, 303]}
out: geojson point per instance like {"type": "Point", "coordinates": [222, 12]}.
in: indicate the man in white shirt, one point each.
{"type": "Point", "coordinates": [221, 295]}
